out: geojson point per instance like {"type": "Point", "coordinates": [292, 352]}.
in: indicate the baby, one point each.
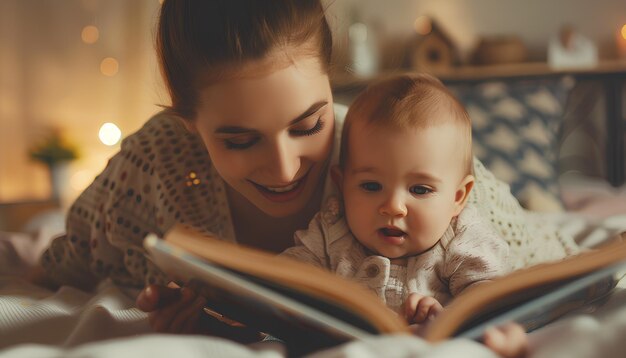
{"type": "Point", "coordinates": [403, 227]}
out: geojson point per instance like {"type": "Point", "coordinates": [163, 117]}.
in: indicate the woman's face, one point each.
{"type": "Point", "coordinates": [269, 132]}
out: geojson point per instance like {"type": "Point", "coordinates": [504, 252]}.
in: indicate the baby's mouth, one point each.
{"type": "Point", "coordinates": [392, 232]}
{"type": "Point", "coordinates": [392, 235]}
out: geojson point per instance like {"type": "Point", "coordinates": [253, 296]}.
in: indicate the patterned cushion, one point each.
{"type": "Point", "coordinates": [515, 127]}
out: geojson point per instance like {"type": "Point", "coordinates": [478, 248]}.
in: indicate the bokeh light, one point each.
{"type": "Point", "coordinates": [110, 134]}
{"type": "Point", "coordinates": [423, 25]}
{"type": "Point", "coordinates": [90, 34]}
{"type": "Point", "coordinates": [109, 66]}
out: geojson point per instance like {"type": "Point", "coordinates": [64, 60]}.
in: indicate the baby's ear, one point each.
{"type": "Point", "coordinates": [462, 193]}
{"type": "Point", "coordinates": [336, 174]}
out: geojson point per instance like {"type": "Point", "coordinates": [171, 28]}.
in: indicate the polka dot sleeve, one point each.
{"type": "Point", "coordinates": [531, 239]}
{"type": "Point", "coordinates": [162, 175]}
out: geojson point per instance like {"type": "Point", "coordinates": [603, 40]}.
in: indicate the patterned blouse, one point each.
{"type": "Point", "coordinates": [163, 175]}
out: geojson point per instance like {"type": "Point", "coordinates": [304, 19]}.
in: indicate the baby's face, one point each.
{"type": "Point", "coordinates": [401, 188]}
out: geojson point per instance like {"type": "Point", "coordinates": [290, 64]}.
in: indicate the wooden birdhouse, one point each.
{"type": "Point", "coordinates": [433, 50]}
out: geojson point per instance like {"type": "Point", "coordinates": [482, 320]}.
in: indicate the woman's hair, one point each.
{"type": "Point", "coordinates": [198, 40]}
{"type": "Point", "coordinates": [407, 102]}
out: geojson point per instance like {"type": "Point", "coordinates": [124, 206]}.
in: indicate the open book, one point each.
{"type": "Point", "coordinates": [310, 308]}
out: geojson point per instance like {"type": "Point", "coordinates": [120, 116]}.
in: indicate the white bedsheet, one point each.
{"type": "Point", "coordinates": [35, 322]}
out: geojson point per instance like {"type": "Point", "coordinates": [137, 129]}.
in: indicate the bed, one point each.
{"type": "Point", "coordinates": [35, 322]}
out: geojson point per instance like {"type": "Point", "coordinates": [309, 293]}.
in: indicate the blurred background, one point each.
{"type": "Point", "coordinates": [78, 75]}
{"type": "Point", "coordinates": [468, 22]}
{"type": "Point", "coordinates": [68, 67]}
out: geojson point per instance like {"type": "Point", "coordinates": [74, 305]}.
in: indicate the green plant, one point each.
{"type": "Point", "coordinates": [53, 149]}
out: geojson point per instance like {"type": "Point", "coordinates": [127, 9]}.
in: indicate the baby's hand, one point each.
{"type": "Point", "coordinates": [508, 340]}
{"type": "Point", "coordinates": [421, 309]}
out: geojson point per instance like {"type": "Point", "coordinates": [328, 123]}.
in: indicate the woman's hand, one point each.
{"type": "Point", "coordinates": [173, 309]}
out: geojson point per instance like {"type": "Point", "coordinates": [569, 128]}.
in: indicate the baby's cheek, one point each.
{"type": "Point", "coordinates": [355, 221]}
{"type": "Point", "coordinates": [428, 223]}
{"type": "Point", "coordinates": [356, 210]}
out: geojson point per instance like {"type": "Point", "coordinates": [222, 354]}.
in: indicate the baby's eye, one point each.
{"type": "Point", "coordinates": [420, 190]}
{"type": "Point", "coordinates": [371, 186]}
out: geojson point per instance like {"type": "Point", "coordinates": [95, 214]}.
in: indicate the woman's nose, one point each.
{"type": "Point", "coordinates": [394, 206]}
{"type": "Point", "coordinates": [284, 161]}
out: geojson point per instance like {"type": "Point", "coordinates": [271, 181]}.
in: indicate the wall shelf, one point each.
{"type": "Point", "coordinates": [611, 73]}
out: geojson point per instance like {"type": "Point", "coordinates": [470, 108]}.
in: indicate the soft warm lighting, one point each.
{"type": "Point", "coordinates": [423, 25]}
{"type": "Point", "coordinates": [109, 66]}
{"type": "Point", "coordinates": [620, 41]}
{"type": "Point", "coordinates": [110, 134]}
{"type": "Point", "coordinates": [90, 34]}
{"type": "Point", "coordinates": [80, 180]}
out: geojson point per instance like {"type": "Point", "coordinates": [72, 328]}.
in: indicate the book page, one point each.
{"type": "Point", "coordinates": [349, 298]}
{"type": "Point", "coordinates": [537, 308]}
{"type": "Point", "coordinates": [535, 295]}
{"type": "Point", "coordinates": [254, 304]}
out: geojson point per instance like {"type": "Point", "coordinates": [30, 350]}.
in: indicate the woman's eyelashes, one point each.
{"type": "Point", "coordinates": [246, 142]}
{"type": "Point", "coordinates": [319, 125]}
{"type": "Point", "coordinates": [239, 144]}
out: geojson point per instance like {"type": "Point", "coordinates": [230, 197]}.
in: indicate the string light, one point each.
{"type": "Point", "coordinates": [109, 134]}
{"type": "Point", "coordinates": [423, 25]}
{"type": "Point", "coordinates": [109, 66]}
{"type": "Point", "coordinates": [90, 34]}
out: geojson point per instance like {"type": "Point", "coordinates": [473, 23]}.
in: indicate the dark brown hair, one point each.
{"type": "Point", "coordinates": [198, 39]}
{"type": "Point", "coordinates": [405, 102]}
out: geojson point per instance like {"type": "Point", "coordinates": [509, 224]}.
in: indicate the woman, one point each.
{"type": "Point", "coordinates": [242, 152]}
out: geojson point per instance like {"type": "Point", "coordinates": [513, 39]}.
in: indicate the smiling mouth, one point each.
{"type": "Point", "coordinates": [282, 193]}
{"type": "Point", "coordinates": [282, 189]}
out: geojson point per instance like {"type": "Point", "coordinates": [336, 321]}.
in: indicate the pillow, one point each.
{"type": "Point", "coordinates": [515, 125]}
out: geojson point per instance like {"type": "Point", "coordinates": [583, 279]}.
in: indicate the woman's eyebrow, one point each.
{"type": "Point", "coordinates": [238, 130]}
{"type": "Point", "coordinates": [312, 109]}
